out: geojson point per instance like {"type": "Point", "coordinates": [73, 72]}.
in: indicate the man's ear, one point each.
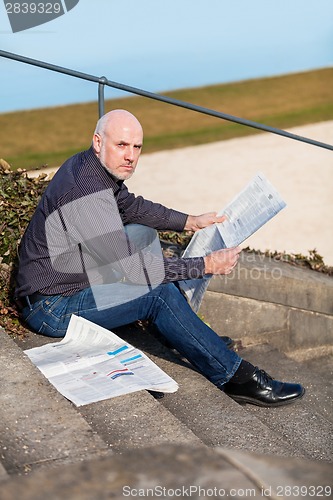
{"type": "Point", "coordinates": [97, 143]}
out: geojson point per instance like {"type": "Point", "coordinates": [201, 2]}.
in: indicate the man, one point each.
{"type": "Point", "coordinates": [91, 249]}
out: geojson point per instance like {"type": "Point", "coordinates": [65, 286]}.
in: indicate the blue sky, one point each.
{"type": "Point", "coordinates": [161, 46]}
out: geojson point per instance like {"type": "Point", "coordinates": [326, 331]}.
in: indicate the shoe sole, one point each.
{"type": "Point", "coordinates": [229, 343]}
{"type": "Point", "coordinates": [243, 400]}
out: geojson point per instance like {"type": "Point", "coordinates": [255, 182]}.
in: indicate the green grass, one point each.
{"type": "Point", "coordinates": [46, 137]}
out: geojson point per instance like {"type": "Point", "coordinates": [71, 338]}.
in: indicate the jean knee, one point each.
{"type": "Point", "coordinates": [142, 236]}
{"type": "Point", "coordinates": [170, 293]}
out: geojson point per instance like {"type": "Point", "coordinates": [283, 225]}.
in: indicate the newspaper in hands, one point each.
{"type": "Point", "coordinates": [255, 205]}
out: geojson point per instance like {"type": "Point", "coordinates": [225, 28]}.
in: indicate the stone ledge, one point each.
{"type": "Point", "coordinates": [269, 280]}
{"type": "Point", "coordinates": [256, 321]}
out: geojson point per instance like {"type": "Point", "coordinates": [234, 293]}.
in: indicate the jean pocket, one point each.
{"type": "Point", "coordinates": [54, 305]}
{"type": "Point", "coordinates": [48, 331]}
{"type": "Point", "coordinates": [46, 316]}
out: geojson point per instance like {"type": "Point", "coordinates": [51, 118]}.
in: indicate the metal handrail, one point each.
{"type": "Point", "coordinates": [102, 81]}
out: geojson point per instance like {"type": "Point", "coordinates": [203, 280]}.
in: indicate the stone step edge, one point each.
{"type": "Point", "coordinates": [200, 405]}
{"type": "Point", "coordinates": [302, 355]}
{"type": "Point", "coordinates": [54, 433]}
{"type": "Point", "coordinates": [189, 428]}
{"type": "Point", "coordinates": [3, 473]}
{"type": "Point", "coordinates": [175, 468]}
{"type": "Point", "coordinates": [116, 406]}
{"type": "Point", "coordinates": [141, 400]}
{"type": "Point", "coordinates": [282, 366]}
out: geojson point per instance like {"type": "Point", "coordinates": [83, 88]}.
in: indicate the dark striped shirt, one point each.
{"type": "Point", "coordinates": [77, 224]}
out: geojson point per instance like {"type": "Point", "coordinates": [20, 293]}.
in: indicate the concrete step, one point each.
{"type": "Point", "coordinates": [308, 424]}
{"type": "Point", "coordinates": [323, 367]}
{"type": "Point", "coordinates": [169, 471]}
{"type": "Point", "coordinates": [219, 421]}
{"type": "Point", "coordinates": [38, 427]}
{"type": "Point", "coordinates": [131, 421]}
{"type": "Point", "coordinates": [136, 420]}
{"type": "Point", "coordinates": [215, 418]}
{"type": "Point", "coordinates": [3, 473]}
{"type": "Point", "coordinates": [199, 413]}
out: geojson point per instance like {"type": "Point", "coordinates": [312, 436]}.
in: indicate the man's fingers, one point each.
{"type": "Point", "coordinates": [207, 219]}
{"type": "Point", "coordinates": [221, 218]}
{"type": "Point", "coordinates": [230, 252]}
{"type": "Point", "coordinates": [237, 250]}
{"type": "Point", "coordinates": [222, 261]}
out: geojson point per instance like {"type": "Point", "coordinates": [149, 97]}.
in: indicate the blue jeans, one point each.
{"type": "Point", "coordinates": [164, 306]}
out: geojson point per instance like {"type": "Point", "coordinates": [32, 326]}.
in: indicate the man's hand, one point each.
{"type": "Point", "coordinates": [222, 261]}
{"type": "Point", "coordinates": [196, 222]}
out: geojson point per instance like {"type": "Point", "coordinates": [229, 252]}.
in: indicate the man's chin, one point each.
{"type": "Point", "coordinates": [120, 176]}
{"type": "Point", "coordinates": [124, 176]}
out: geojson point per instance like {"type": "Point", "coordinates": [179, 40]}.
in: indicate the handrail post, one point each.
{"type": "Point", "coordinates": [101, 84]}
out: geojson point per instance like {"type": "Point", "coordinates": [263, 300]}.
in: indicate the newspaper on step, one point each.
{"type": "Point", "coordinates": [92, 364]}
{"type": "Point", "coordinates": [255, 205]}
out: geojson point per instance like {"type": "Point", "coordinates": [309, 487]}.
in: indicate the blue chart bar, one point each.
{"type": "Point", "coordinates": [121, 374]}
{"type": "Point", "coordinates": [138, 356]}
{"type": "Point", "coordinates": [117, 351]}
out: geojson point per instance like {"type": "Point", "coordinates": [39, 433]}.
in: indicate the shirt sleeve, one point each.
{"type": "Point", "coordinates": [137, 210]}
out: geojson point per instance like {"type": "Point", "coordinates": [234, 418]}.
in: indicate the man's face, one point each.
{"type": "Point", "coordinates": [119, 148]}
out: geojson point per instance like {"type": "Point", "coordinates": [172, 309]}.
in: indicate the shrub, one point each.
{"type": "Point", "coordinates": [19, 198]}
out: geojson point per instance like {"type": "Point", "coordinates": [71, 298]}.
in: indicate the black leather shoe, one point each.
{"type": "Point", "coordinates": [263, 390]}
{"type": "Point", "coordinates": [156, 394]}
{"type": "Point", "coordinates": [228, 341]}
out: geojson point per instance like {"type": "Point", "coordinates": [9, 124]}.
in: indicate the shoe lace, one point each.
{"type": "Point", "coordinates": [264, 377]}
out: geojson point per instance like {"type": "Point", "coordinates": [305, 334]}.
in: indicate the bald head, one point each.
{"type": "Point", "coordinates": [117, 142]}
{"type": "Point", "coordinates": [116, 118]}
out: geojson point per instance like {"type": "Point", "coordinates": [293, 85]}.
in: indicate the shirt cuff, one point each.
{"type": "Point", "coordinates": [184, 269]}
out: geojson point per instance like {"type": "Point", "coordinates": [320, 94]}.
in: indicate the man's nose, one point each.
{"type": "Point", "coordinates": [129, 154]}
